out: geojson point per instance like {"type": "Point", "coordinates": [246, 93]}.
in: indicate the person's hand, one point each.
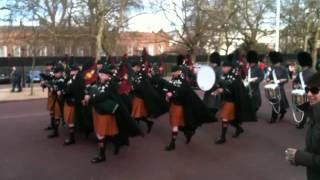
{"type": "Point", "coordinates": [220, 90]}
{"type": "Point", "coordinates": [87, 98]}
{"type": "Point", "coordinates": [168, 96]}
{"type": "Point", "coordinates": [290, 154]}
{"type": "Point", "coordinates": [84, 103]}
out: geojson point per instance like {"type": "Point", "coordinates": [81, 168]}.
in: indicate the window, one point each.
{"type": "Point", "coordinates": [16, 51]}
{"type": "Point", "coordinates": [161, 48]}
{"type": "Point", "coordinates": [67, 50]}
{"type": "Point", "coordinates": [130, 51]}
{"type": "Point", "coordinates": [80, 51]}
{"type": "Point", "coordinates": [3, 51]}
{"type": "Point", "coordinates": [89, 51]}
{"type": "Point", "coordinates": [151, 50]}
{"type": "Point", "coordinates": [53, 51]}
{"type": "Point", "coordinates": [43, 51]}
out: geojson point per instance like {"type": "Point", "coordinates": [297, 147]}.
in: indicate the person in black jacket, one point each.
{"type": "Point", "coordinates": [255, 76]}
{"type": "Point", "coordinates": [279, 75]}
{"type": "Point", "coordinates": [111, 119]}
{"type": "Point", "coordinates": [146, 102]}
{"type": "Point", "coordinates": [187, 111]}
{"type": "Point", "coordinates": [305, 61]}
{"type": "Point", "coordinates": [310, 155]}
{"type": "Point", "coordinates": [236, 106]}
{"type": "Point", "coordinates": [73, 94]}
{"type": "Point", "coordinates": [211, 100]}
{"type": "Point", "coordinates": [56, 106]}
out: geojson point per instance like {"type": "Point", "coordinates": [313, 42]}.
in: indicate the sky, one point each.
{"type": "Point", "coordinates": [150, 22]}
{"type": "Point", "coordinates": [145, 20]}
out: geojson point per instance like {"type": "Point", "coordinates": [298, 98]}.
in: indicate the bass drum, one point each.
{"type": "Point", "coordinates": [206, 77]}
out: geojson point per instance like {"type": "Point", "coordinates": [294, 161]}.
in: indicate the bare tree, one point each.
{"type": "Point", "coordinates": [302, 26]}
{"type": "Point", "coordinates": [104, 19]}
{"type": "Point", "coordinates": [190, 22]}
{"type": "Point", "coordinates": [251, 19]}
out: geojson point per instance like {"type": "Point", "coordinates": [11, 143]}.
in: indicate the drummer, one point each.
{"type": "Point", "coordinates": [254, 78]}
{"type": "Point", "coordinates": [213, 101]}
{"type": "Point", "coordinates": [278, 75]}
{"type": "Point", "coordinates": [305, 61]}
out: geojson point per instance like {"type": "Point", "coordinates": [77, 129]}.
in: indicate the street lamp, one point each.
{"type": "Point", "coordinates": [278, 25]}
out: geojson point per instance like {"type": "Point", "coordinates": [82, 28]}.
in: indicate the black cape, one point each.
{"type": "Point", "coordinates": [154, 103]}
{"type": "Point", "coordinates": [244, 111]}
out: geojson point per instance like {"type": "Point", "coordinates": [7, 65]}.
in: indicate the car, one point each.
{"type": "Point", "coordinates": [34, 76]}
{"type": "Point", "coordinates": [4, 78]}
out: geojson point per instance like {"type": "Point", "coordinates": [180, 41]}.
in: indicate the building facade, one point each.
{"type": "Point", "coordinates": [26, 41]}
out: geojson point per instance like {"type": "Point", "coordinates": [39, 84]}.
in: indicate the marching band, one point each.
{"type": "Point", "coordinates": [110, 100]}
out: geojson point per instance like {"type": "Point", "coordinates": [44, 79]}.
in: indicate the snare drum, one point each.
{"type": "Point", "coordinates": [299, 97]}
{"type": "Point", "coordinates": [272, 91]}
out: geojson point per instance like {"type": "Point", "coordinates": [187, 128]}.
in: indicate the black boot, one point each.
{"type": "Point", "coordinates": [222, 138]}
{"type": "Point", "coordinates": [274, 117]}
{"type": "Point", "coordinates": [71, 140]}
{"type": "Point", "coordinates": [50, 127]}
{"type": "Point", "coordinates": [149, 124]}
{"type": "Point", "coordinates": [282, 114]}
{"type": "Point", "coordinates": [171, 146]}
{"type": "Point", "coordinates": [239, 130]}
{"type": "Point", "coordinates": [55, 133]}
{"type": "Point", "coordinates": [188, 134]}
{"type": "Point", "coordinates": [100, 157]}
{"type": "Point", "coordinates": [116, 142]}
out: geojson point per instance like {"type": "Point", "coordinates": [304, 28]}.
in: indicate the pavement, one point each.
{"type": "Point", "coordinates": [7, 96]}
{"type": "Point", "coordinates": [258, 154]}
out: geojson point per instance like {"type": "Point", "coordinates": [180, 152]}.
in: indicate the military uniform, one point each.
{"type": "Point", "coordinates": [147, 102]}
{"type": "Point", "coordinates": [73, 94]}
{"type": "Point", "coordinates": [305, 61]}
{"type": "Point", "coordinates": [56, 107]}
{"type": "Point", "coordinates": [187, 111]}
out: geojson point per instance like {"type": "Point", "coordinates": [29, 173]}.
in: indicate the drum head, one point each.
{"type": "Point", "coordinates": [271, 86]}
{"type": "Point", "coordinates": [206, 78]}
{"type": "Point", "coordinates": [299, 92]}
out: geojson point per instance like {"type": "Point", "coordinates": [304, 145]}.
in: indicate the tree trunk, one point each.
{"type": "Point", "coordinates": [99, 38]}
{"type": "Point", "coordinates": [315, 46]}
{"type": "Point", "coordinates": [32, 69]}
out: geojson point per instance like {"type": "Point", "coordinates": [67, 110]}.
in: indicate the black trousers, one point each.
{"type": "Point", "coordinates": [16, 84]}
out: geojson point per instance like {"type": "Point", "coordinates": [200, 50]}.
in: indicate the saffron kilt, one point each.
{"type": "Point", "coordinates": [227, 111]}
{"type": "Point", "coordinates": [104, 125]}
{"type": "Point", "coordinates": [138, 108]}
{"type": "Point", "coordinates": [176, 115]}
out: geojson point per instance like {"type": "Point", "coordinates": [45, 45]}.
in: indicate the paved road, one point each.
{"type": "Point", "coordinates": [27, 154]}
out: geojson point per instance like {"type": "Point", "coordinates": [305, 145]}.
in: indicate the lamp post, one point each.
{"type": "Point", "coordinates": [278, 25]}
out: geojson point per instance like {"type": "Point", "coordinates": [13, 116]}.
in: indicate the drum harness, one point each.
{"type": "Point", "coordinates": [273, 104]}
{"type": "Point", "coordinates": [295, 107]}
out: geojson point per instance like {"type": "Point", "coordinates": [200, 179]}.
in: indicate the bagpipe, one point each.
{"type": "Point", "coordinates": [45, 78]}
{"type": "Point", "coordinates": [247, 81]}
{"type": "Point", "coordinates": [107, 106]}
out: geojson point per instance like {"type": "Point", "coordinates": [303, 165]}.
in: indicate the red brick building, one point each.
{"type": "Point", "coordinates": [20, 42]}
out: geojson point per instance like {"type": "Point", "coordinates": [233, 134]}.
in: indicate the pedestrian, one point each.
{"type": "Point", "coordinates": [309, 156]}
{"type": "Point", "coordinates": [15, 80]}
